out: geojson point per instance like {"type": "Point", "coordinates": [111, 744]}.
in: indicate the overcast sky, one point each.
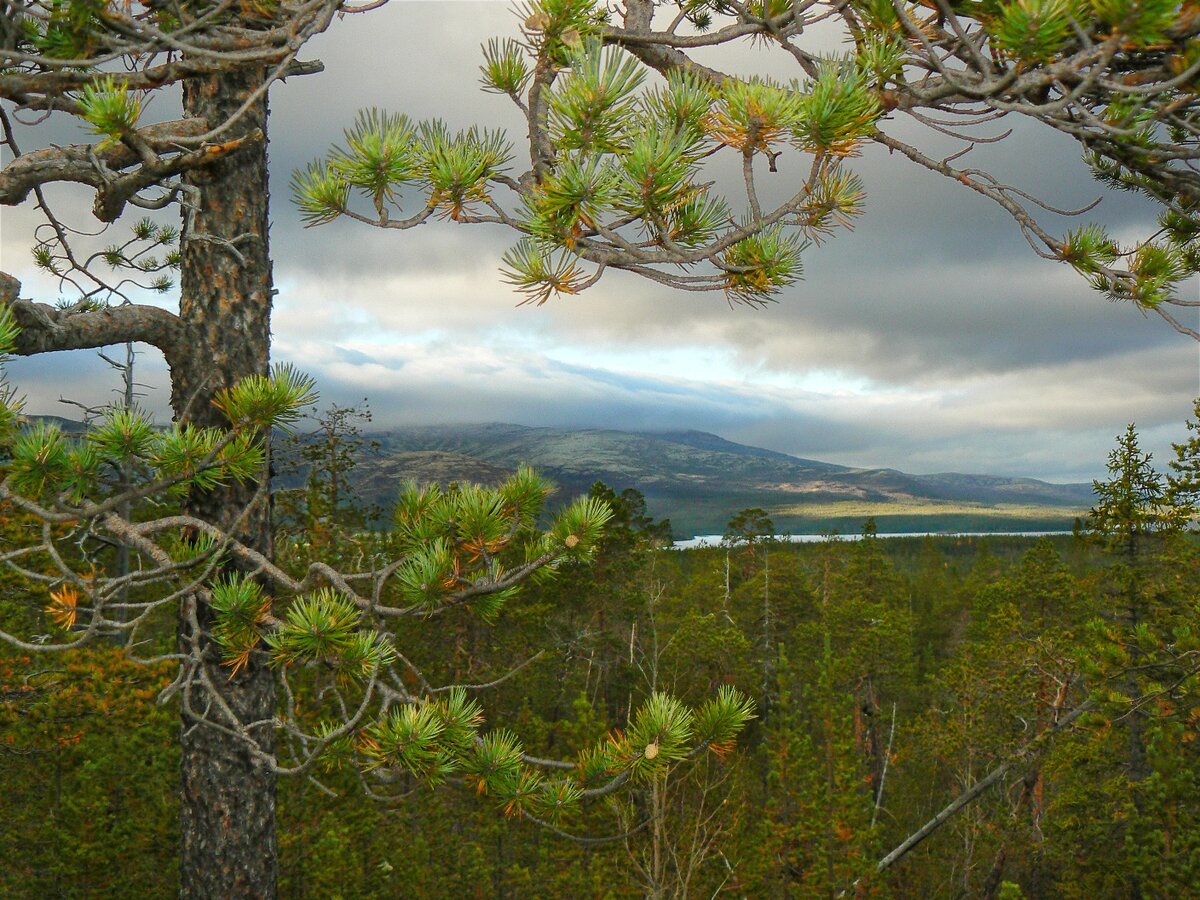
{"type": "Point", "coordinates": [929, 339]}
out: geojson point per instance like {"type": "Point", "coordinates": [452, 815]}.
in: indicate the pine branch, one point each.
{"type": "Point", "coordinates": [1030, 751]}
{"type": "Point", "coordinates": [45, 328]}
{"type": "Point", "coordinates": [85, 164]}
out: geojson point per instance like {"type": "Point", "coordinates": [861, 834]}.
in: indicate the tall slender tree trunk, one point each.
{"type": "Point", "coordinates": [227, 835]}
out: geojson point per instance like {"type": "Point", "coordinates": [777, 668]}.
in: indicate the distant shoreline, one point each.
{"type": "Point", "coordinates": [714, 540]}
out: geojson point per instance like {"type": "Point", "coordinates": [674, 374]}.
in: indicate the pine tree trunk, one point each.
{"type": "Point", "coordinates": [227, 841]}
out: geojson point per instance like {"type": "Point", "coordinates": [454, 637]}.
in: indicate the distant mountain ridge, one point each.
{"type": "Point", "coordinates": [699, 480]}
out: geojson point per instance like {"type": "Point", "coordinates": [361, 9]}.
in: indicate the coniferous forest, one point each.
{"type": "Point", "coordinates": [1037, 694]}
{"type": "Point", "coordinates": [223, 674]}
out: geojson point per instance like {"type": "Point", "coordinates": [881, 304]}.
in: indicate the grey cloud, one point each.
{"type": "Point", "coordinates": [451, 382]}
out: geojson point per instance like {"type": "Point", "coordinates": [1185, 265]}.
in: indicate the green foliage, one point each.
{"type": "Point", "coordinates": [187, 454]}
{"type": "Point", "coordinates": [658, 735]}
{"type": "Point", "coordinates": [571, 201]}
{"type": "Point", "coordinates": [504, 69]}
{"type": "Point", "coordinates": [836, 201]}
{"type": "Point", "coordinates": [629, 521]}
{"type": "Point", "coordinates": [1183, 484]}
{"type": "Point", "coordinates": [456, 169]}
{"type": "Point", "coordinates": [1034, 31]}
{"type": "Point", "coordinates": [40, 460]}
{"type": "Point", "coordinates": [427, 575]}
{"type": "Point", "coordinates": [798, 816]}
{"type": "Point", "coordinates": [381, 154]}
{"type": "Point", "coordinates": [749, 526]}
{"type": "Point", "coordinates": [592, 106]}
{"type": "Point", "coordinates": [10, 403]}
{"type": "Point", "coordinates": [559, 27]}
{"type": "Point", "coordinates": [110, 108]}
{"type": "Point", "coordinates": [327, 628]}
{"type": "Point", "coordinates": [655, 173]}
{"type": "Point", "coordinates": [454, 540]}
{"type": "Point", "coordinates": [461, 717]}
{"type": "Point", "coordinates": [436, 739]}
{"type": "Point", "coordinates": [838, 110]}
{"type": "Point", "coordinates": [407, 739]}
{"type": "Point", "coordinates": [267, 401]}
{"type": "Point", "coordinates": [84, 755]}
{"type": "Point", "coordinates": [758, 266]}
{"type": "Point", "coordinates": [320, 502]}
{"type": "Point", "coordinates": [541, 275]}
{"type": "Point", "coordinates": [1132, 505]}
{"type": "Point", "coordinates": [697, 219]}
{"type": "Point", "coordinates": [524, 494]}
{"type": "Point", "coordinates": [1088, 248]}
{"type": "Point", "coordinates": [241, 608]}
{"type": "Point", "coordinates": [721, 718]}
{"type": "Point", "coordinates": [617, 162]}
{"type": "Point", "coordinates": [680, 106]}
{"type": "Point", "coordinates": [614, 177]}
{"type": "Point", "coordinates": [618, 156]}
{"type": "Point", "coordinates": [1141, 22]}
{"type": "Point", "coordinates": [881, 56]}
{"type": "Point", "coordinates": [1138, 657]}
{"type": "Point", "coordinates": [578, 527]}
{"type": "Point", "coordinates": [496, 765]}
{"type": "Point", "coordinates": [755, 116]}
{"type": "Point", "coordinates": [46, 462]}
{"type": "Point", "coordinates": [123, 432]}
{"type": "Point", "coordinates": [320, 191]}
{"type": "Point", "coordinates": [818, 799]}
{"type": "Point", "coordinates": [1156, 269]}
{"type": "Point", "coordinates": [8, 333]}
{"type": "Point", "coordinates": [384, 152]}
{"type": "Point", "coordinates": [901, 671]}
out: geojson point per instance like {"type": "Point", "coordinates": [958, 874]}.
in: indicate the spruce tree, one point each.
{"type": "Point", "coordinates": [1141, 664]}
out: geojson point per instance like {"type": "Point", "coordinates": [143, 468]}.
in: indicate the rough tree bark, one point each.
{"type": "Point", "coordinates": [227, 826]}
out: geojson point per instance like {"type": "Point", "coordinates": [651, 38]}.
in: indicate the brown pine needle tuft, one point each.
{"type": "Point", "coordinates": [63, 608]}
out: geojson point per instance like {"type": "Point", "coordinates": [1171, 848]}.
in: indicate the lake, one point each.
{"type": "Point", "coordinates": [714, 540]}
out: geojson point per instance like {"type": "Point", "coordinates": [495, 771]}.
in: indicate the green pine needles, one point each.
{"type": "Point", "coordinates": [593, 106]}
{"type": "Point", "coordinates": [1034, 30]}
{"type": "Point", "coordinates": [123, 450]}
{"type": "Point", "coordinates": [439, 739]}
{"type": "Point", "coordinates": [504, 70]}
{"type": "Point", "coordinates": [110, 108]}
{"type": "Point", "coordinates": [470, 547]}
{"type": "Point", "coordinates": [384, 153]}
{"type": "Point", "coordinates": [618, 176]}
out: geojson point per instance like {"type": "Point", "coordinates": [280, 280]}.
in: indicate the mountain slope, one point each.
{"type": "Point", "coordinates": [699, 480]}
